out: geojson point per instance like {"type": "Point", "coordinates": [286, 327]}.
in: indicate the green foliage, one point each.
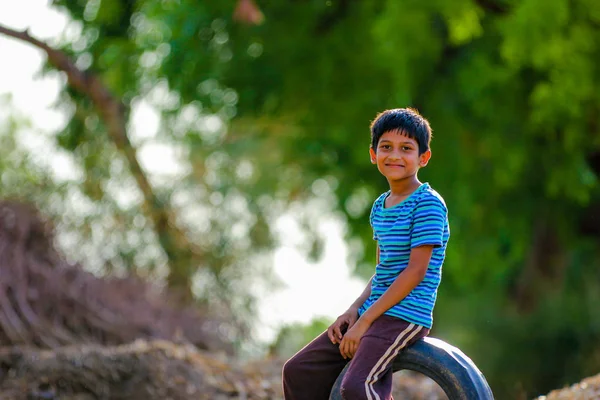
{"type": "Point", "coordinates": [262, 113]}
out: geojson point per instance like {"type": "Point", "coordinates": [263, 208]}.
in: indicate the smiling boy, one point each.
{"type": "Point", "coordinates": [410, 225]}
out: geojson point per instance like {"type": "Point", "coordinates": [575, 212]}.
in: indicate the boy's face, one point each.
{"type": "Point", "coordinates": [397, 156]}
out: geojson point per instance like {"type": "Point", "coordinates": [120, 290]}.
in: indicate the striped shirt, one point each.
{"type": "Point", "coordinates": [421, 219]}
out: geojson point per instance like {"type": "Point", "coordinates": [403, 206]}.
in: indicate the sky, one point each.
{"type": "Point", "coordinates": [309, 289]}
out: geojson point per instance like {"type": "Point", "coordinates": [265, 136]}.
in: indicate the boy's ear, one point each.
{"type": "Point", "coordinates": [424, 158]}
{"type": "Point", "coordinates": [373, 155]}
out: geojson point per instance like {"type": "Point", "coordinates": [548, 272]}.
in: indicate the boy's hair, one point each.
{"type": "Point", "coordinates": [405, 120]}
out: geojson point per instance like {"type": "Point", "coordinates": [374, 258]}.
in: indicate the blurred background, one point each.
{"type": "Point", "coordinates": [219, 150]}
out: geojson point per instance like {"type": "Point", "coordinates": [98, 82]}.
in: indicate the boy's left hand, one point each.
{"type": "Point", "coordinates": [351, 339]}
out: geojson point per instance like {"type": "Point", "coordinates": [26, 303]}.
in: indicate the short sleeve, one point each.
{"type": "Point", "coordinates": [371, 220]}
{"type": "Point", "coordinates": [428, 224]}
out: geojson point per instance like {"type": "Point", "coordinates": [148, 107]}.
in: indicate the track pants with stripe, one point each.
{"type": "Point", "coordinates": [311, 373]}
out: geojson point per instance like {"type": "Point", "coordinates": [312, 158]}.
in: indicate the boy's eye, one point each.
{"type": "Point", "coordinates": [385, 146]}
{"type": "Point", "coordinates": [406, 148]}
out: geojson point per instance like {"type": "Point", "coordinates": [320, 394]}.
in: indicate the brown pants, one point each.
{"type": "Point", "coordinates": [310, 373]}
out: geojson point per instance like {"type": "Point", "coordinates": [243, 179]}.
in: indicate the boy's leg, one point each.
{"type": "Point", "coordinates": [369, 375]}
{"type": "Point", "coordinates": [310, 373]}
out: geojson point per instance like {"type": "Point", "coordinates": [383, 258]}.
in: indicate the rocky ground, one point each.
{"type": "Point", "coordinates": [141, 370]}
{"type": "Point", "coordinates": [415, 386]}
{"type": "Point", "coordinates": [587, 389]}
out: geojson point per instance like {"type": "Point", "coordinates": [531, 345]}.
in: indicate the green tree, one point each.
{"type": "Point", "coordinates": [277, 112]}
{"type": "Point", "coordinates": [509, 89]}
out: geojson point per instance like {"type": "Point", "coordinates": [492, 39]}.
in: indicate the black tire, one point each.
{"type": "Point", "coordinates": [447, 365]}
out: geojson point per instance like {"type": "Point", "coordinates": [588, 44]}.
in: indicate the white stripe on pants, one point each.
{"type": "Point", "coordinates": [401, 340]}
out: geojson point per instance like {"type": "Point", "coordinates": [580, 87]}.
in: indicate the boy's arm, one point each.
{"type": "Point", "coordinates": [398, 290]}
{"type": "Point", "coordinates": [351, 315]}
{"type": "Point", "coordinates": [363, 296]}
{"type": "Point", "coordinates": [403, 285]}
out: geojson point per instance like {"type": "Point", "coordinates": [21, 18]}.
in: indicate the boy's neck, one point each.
{"type": "Point", "coordinates": [404, 188]}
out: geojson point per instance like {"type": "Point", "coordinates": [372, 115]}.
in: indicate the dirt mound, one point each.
{"type": "Point", "coordinates": [46, 302]}
{"type": "Point", "coordinates": [141, 370]}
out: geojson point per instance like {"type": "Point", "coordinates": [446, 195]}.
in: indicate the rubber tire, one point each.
{"type": "Point", "coordinates": [447, 365]}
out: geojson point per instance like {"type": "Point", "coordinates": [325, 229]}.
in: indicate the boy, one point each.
{"type": "Point", "coordinates": [410, 225]}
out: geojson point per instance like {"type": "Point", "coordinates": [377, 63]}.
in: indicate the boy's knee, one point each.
{"type": "Point", "coordinates": [291, 367]}
{"type": "Point", "coordinates": [353, 389]}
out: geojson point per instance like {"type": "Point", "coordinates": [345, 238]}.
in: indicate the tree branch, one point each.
{"type": "Point", "coordinates": [112, 112]}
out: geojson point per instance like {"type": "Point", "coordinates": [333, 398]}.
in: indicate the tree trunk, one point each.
{"type": "Point", "coordinates": [182, 258]}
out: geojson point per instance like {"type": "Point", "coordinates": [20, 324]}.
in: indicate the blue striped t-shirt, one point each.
{"type": "Point", "coordinates": [421, 219]}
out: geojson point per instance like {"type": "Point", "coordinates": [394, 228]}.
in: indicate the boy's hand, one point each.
{"type": "Point", "coordinates": [351, 339]}
{"type": "Point", "coordinates": [346, 320]}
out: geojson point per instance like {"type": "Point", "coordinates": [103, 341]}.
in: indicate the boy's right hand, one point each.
{"type": "Point", "coordinates": [345, 322]}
